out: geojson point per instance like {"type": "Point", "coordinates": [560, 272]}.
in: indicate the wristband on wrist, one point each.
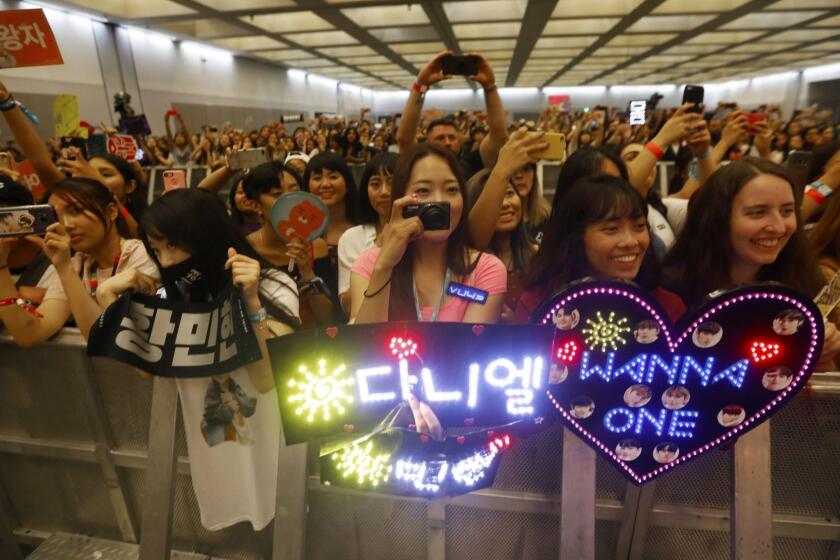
{"type": "Point", "coordinates": [259, 316]}
{"type": "Point", "coordinates": [23, 304]}
{"type": "Point", "coordinates": [653, 148]}
{"type": "Point", "coordinates": [818, 192]}
{"type": "Point", "coordinates": [379, 291]}
{"type": "Point", "coordinates": [419, 89]}
{"type": "Point", "coordinates": [124, 212]}
{"type": "Point", "coordinates": [490, 89]}
{"type": "Point", "coordinates": [8, 104]}
{"type": "Point", "coordinates": [704, 155]}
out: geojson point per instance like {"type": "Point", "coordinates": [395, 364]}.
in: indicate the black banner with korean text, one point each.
{"type": "Point", "coordinates": [174, 338]}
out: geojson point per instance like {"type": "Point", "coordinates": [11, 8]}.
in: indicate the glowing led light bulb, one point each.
{"type": "Point", "coordinates": [606, 332]}
{"type": "Point", "coordinates": [322, 392]}
{"type": "Point", "coordinates": [364, 463]}
{"type": "Point", "coordinates": [402, 348]}
{"type": "Point", "coordinates": [762, 351]}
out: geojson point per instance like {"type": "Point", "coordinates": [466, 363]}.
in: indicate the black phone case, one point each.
{"type": "Point", "coordinates": [460, 65]}
{"type": "Point", "coordinates": [18, 221]}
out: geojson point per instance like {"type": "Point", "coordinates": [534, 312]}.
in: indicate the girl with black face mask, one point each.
{"type": "Point", "coordinates": [231, 420]}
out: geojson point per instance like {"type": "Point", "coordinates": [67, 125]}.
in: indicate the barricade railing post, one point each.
{"type": "Point", "coordinates": [577, 508]}
{"type": "Point", "coordinates": [291, 507]}
{"type": "Point", "coordinates": [751, 519]}
{"type": "Point", "coordinates": [159, 489]}
{"type": "Point", "coordinates": [8, 522]}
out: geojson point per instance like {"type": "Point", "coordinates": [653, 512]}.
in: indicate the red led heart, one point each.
{"type": "Point", "coordinates": [424, 438]}
{"type": "Point", "coordinates": [332, 331]}
{"type": "Point", "coordinates": [568, 352]}
{"type": "Point", "coordinates": [762, 351]}
{"type": "Point", "coordinates": [460, 439]}
{"type": "Point", "coordinates": [478, 330]}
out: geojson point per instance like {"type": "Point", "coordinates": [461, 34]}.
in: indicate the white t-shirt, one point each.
{"type": "Point", "coordinates": [660, 227]}
{"type": "Point", "coordinates": [351, 244]}
{"type": "Point", "coordinates": [677, 210]}
{"type": "Point", "coordinates": [233, 435]}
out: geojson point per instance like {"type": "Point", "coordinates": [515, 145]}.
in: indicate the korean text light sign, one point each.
{"type": "Point", "coordinates": [347, 379]}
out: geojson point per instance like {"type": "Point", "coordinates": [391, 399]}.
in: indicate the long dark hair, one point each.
{"type": "Point", "coordinates": [521, 243]}
{"type": "Point", "coordinates": [195, 220]}
{"type": "Point", "coordinates": [401, 305]}
{"type": "Point", "coordinates": [235, 214]}
{"type": "Point", "coordinates": [561, 258]}
{"type": "Point", "coordinates": [585, 162]}
{"type": "Point", "coordinates": [136, 201]}
{"type": "Point", "coordinates": [94, 197]}
{"type": "Point", "coordinates": [334, 162]}
{"type": "Point", "coordinates": [700, 260]}
{"type": "Point", "coordinates": [382, 163]}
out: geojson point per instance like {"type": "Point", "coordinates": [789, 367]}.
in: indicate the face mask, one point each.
{"type": "Point", "coordinates": [185, 275]}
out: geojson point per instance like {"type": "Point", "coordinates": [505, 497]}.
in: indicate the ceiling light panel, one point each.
{"type": "Point", "coordinates": [577, 8]}
{"type": "Point", "coordinates": [374, 59]}
{"type": "Point", "coordinates": [203, 28]}
{"type": "Point", "coordinates": [483, 45]}
{"type": "Point", "coordinates": [405, 34]}
{"type": "Point", "coordinates": [225, 5]}
{"type": "Point", "coordinates": [483, 30]}
{"type": "Point", "coordinates": [321, 38]}
{"type": "Point", "coordinates": [797, 4]}
{"type": "Point", "coordinates": [484, 10]}
{"type": "Point", "coordinates": [827, 46]}
{"type": "Point", "coordinates": [289, 23]}
{"type": "Point", "coordinates": [391, 16]}
{"type": "Point", "coordinates": [691, 49]}
{"type": "Point", "coordinates": [800, 35]}
{"type": "Point", "coordinates": [765, 20]}
{"type": "Point", "coordinates": [827, 22]}
{"type": "Point", "coordinates": [287, 54]}
{"type": "Point", "coordinates": [131, 10]}
{"type": "Point", "coordinates": [416, 48]}
{"type": "Point", "coordinates": [311, 63]}
{"type": "Point", "coordinates": [723, 37]}
{"type": "Point", "coordinates": [562, 42]}
{"type": "Point", "coordinates": [379, 67]}
{"type": "Point", "coordinates": [579, 26]}
{"type": "Point", "coordinates": [641, 40]}
{"type": "Point", "coordinates": [358, 50]}
{"type": "Point", "coordinates": [653, 24]}
{"type": "Point", "coordinates": [252, 43]}
{"type": "Point", "coordinates": [694, 7]}
{"type": "Point", "coordinates": [554, 53]}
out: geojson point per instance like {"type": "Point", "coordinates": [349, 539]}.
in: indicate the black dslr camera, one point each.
{"type": "Point", "coordinates": [434, 215]}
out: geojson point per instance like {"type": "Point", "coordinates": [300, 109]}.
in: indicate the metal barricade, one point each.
{"type": "Point", "coordinates": [87, 447]}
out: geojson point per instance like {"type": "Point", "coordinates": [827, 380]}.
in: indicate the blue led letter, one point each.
{"type": "Point", "coordinates": [734, 373]}
{"type": "Point", "coordinates": [671, 371]}
{"type": "Point", "coordinates": [689, 363]}
{"type": "Point", "coordinates": [615, 412]}
{"type": "Point", "coordinates": [689, 423]}
{"type": "Point", "coordinates": [605, 374]}
{"type": "Point", "coordinates": [658, 423]}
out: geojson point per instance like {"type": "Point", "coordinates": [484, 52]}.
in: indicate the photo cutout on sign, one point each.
{"type": "Point", "coordinates": [557, 373]}
{"type": "Point", "coordinates": [582, 407]}
{"type": "Point", "coordinates": [788, 322]}
{"type": "Point", "coordinates": [707, 334]}
{"type": "Point", "coordinates": [731, 415]}
{"type": "Point", "coordinates": [646, 332]}
{"type": "Point", "coordinates": [637, 395]}
{"type": "Point", "coordinates": [675, 397]}
{"type": "Point", "coordinates": [566, 320]}
{"type": "Point", "coordinates": [628, 449]}
{"type": "Point", "coordinates": [777, 378]}
{"type": "Point", "coordinates": [226, 410]}
{"type": "Point", "coordinates": [666, 452]}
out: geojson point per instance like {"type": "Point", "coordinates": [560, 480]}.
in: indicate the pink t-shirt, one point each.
{"type": "Point", "coordinates": [489, 275]}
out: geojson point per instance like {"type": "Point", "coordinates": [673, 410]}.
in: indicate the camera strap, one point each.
{"type": "Point", "coordinates": [436, 311]}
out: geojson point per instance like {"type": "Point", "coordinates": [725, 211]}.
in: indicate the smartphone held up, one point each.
{"type": "Point", "coordinates": [19, 221]}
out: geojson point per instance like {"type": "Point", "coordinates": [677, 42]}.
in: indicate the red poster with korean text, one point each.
{"type": "Point", "coordinates": [123, 146]}
{"type": "Point", "coordinates": [562, 100]}
{"type": "Point", "coordinates": [30, 178]}
{"type": "Point", "coordinates": [26, 39]}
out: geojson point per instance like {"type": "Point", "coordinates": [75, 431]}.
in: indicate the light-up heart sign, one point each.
{"type": "Point", "coordinates": [348, 379]}
{"type": "Point", "coordinates": [650, 397]}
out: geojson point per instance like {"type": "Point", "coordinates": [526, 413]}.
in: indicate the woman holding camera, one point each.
{"type": "Point", "coordinates": [408, 278]}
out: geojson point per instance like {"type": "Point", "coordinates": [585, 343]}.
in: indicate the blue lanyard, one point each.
{"type": "Point", "coordinates": [435, 313]}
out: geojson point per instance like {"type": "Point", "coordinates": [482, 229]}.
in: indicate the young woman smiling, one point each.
{"type": "Point", "coordinates": [374, 206]}
{"type": "Point", "coordinates": [599, 231]}
{"type": "Point", "coordinates": [89, 223]}
{"type": "Point", "coordinates": [743, 227]}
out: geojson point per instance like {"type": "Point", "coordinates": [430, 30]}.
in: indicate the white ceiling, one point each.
{"type": "Point", "coordinates": [382, 44]}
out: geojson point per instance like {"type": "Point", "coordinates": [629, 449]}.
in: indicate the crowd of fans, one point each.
{"type": "Point", "coordinates": [734, 215]}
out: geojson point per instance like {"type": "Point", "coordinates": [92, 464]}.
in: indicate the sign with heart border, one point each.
{"type": "Point", "coordinates": [648, 396]}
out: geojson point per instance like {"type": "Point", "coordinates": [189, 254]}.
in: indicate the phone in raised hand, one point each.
{"type": "Point", "coordinates": [693, 94]}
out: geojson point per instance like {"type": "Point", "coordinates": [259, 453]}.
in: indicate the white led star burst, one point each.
{"type": "Point", "coordinates": [606, 332]}
{"type": "Point", "coordinates": [322, 392]}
